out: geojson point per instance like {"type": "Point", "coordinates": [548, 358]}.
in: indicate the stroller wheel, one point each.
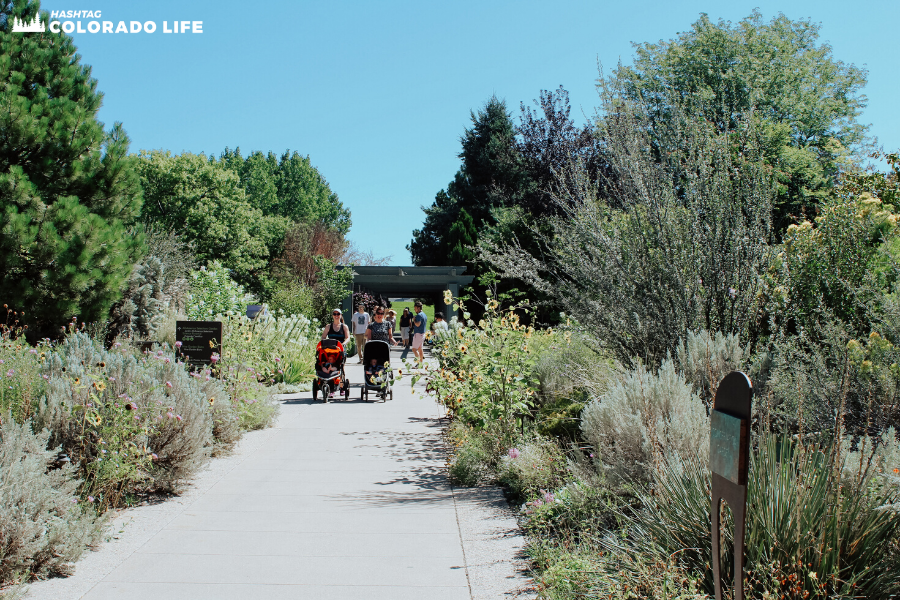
{"type": "Point", "coordinates": [326, 391]}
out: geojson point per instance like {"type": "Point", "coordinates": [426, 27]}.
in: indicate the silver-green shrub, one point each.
{"type": "Point", "coordinates": [704, 359]}
{"type": "Point", "coordinates": [43, 526]}
{"type": "Point", "coordinates": [132, 422]}
{"type": "Point", "coordinates": [642, 419]}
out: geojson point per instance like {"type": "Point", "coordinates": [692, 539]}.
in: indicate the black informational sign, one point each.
{"type": "Point", "coordinates": [729, 460]}
{"type": "Point", "coordinates": [199, 340]}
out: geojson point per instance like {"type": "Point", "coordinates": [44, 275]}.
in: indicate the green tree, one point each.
{"type": "Point", "coordinates": [205, 201]}
{"type": "Point", "coordinates": [775, 73]}
{"type": "Point", "coordinates": [68, 189]}
{"type": "Point", "coordinates": [491, 176]}
{"type": "Point", "coordinates": [461, 237]}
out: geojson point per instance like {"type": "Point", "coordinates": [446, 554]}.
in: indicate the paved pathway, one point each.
{"type": "Point", "coordinates": [344, 500]}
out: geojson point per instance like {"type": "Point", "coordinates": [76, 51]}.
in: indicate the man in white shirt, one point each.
{"type": "Point", "coordinates": [360, 324]}
{"type": "Point", "coordinates": [440, 326]}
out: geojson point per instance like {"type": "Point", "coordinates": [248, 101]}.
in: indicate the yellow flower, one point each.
{"type": "Point", "coordinates": [99, 386]}
{"type": "Point", "coordinates": [448, 300]}
{"type": "Point", "coordinates": [97, 420]}
{"type": "Point", "coordinates": [211, 401]}
{"type": "Point", "coordinates": [463, 348]}
{"type": "Point", "coordinates": [77, 380]}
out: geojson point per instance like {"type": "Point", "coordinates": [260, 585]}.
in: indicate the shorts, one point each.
{"type": "Point", "coordinates": [404, 333]}
{"type": "Point", "coordinates": [418, 339]}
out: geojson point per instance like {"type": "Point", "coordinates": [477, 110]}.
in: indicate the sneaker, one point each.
{"type": "Point", "coordinates": [331, 395]}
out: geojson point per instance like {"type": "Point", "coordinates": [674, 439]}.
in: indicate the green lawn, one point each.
{"type": "Point", "coordinates": [427, 309]}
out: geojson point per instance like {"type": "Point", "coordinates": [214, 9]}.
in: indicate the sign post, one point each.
{"type": "Point", "coordinates": [729, 460]}
{"type": "Point", "coordinates": [199, 340]}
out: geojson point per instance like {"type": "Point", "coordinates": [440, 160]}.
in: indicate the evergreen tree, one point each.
{"type": "Point", "coordinates": [491, 176]}
{"type": "Point", "coordinates": [461, 237]}
{"type": "Point", "coordinates": [68, 189]}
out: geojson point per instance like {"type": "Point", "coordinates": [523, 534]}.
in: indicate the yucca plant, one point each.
{"type": "Point", "coordinates": [810, 533]}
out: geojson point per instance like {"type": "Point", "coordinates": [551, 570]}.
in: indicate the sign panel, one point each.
{"type": "Point", "coordinates": [727, 437]}
{"type": "Point", "coordinates": [199, 340]}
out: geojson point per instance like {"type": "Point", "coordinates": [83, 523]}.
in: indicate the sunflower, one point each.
{"type": "Point", "coordinates": [99, 386]}
{"type": "Point", "coordinates": [211, 401]}
{"type": "Point", "coordinates": [463, 348]}
{"type": "Point", "coordinates": [98, 420]}
{"type": "Point", "coordinates": [77, 380]}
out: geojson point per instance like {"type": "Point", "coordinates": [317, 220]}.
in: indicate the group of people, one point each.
{"type": "Point", "coordinates": [381, 327]}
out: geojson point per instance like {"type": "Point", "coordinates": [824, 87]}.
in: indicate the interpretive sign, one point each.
{"type": "Point", "coordinates": [198, 340]}
{"type": "Point", "coordinates": [729, 459]}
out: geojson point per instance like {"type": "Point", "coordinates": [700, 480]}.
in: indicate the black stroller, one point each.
{"type": "Point", "coordinates": [379, 377]}
{"type": "Point", "coordinates": [330, 376]}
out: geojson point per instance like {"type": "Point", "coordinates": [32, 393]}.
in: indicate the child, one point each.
{"type": "Point", "coordinates": [374, 372]}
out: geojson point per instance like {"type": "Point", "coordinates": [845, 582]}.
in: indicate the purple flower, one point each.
{"type": "Point", "coordinates": [168, 384]}
{"type": "Point", "coordinates": [90, 498]}
{"type": "Point", "coordinates": [277, 359]}
{"type": "Point", "coordinates": [214, 358]}
{"type": "Point", "coordinates": [548, 497]}
{"type": "Point", "coordinates": [178, 344]}
{"type": "Point", "coordinates": [513, 453]}
{"type": "Point", "coordinates": [170, 415]}
{"type": "Point", "coordinates": [178, 417]}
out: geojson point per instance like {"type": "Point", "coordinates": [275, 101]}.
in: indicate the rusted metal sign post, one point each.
{"type": "Point", "coordinates": [729, 459]}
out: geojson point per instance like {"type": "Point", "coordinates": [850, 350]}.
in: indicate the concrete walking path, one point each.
{"type": "Point", "coordinates": [345, 500]}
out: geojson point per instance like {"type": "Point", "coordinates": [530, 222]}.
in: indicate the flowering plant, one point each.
{"type": "Point", "coordinates": [485, 370]}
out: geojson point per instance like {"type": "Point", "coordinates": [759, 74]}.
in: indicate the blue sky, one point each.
{"type": "Point", "coordinates": [378, 93]}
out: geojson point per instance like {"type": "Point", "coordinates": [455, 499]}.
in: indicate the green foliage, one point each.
{"type": "Point", "coordinates": [485, 376]}
{"type": "Point", "coordinates": [664, 247]}
{"type": "Point", "coordinates": [204, 201]}
{"type": "Point", "coordinates": [461, 238]}
{"type": "Point", "coordinates": [293, 298]}
{"type": "Point", "coordinates": [69, 192]}
{"type": "Point", "coordinates": [268, 345]}
{"type": "Point", "coordinates": [532, 468]}
{"type": "Point", "coordinates": [777, 74]}
{"type": "Point", "coordinates": [288, 187]}
{"type": "Point", "coordinates": [332, 285]}
{"type": "Point", "coordinates": [470, 458]}
{"type": "Point", "coordinates": [43, 526]}
{"type": "Point", "coordinates": [491, 170]}
{"type": "Point", "coordinates": [809, 534]}
{"type": "Point", "coordinates": [830, 264]}
{"type": "Point", "coordinates": [214, 293]}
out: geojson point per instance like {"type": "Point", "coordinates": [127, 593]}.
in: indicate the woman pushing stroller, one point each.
{"type": "Point", "coordinates": [337, 330]}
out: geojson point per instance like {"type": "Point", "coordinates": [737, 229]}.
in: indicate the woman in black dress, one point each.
{"type": "Point", "coordinates": [380, 329]}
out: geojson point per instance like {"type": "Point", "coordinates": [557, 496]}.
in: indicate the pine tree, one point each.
{"type": "Point", "coordinates": [461, 237]}
{"type": "Point", "coordinates": [491, 176]}
{"type": "Point", "coordinates": [68, 189]}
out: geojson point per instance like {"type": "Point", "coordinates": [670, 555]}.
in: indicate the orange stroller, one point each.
{"type": "Point", "coordinates": [330, 375]}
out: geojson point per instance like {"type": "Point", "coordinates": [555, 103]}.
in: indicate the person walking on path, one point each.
{"type": "Point", "coordinates": [440, 326]}
{"type": "Point", "coordinates": [390, 317]}
{"type": "Point", "coordinates": [360, 325]}
{"type": "Point", "coordinates": [405, 322]}
{"type": "Point", "coordinates": [420, 323]}
{"type": "Point", "coordinates": [380, 329]}
{"type": "Point", "coordinates": [337, 330]}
